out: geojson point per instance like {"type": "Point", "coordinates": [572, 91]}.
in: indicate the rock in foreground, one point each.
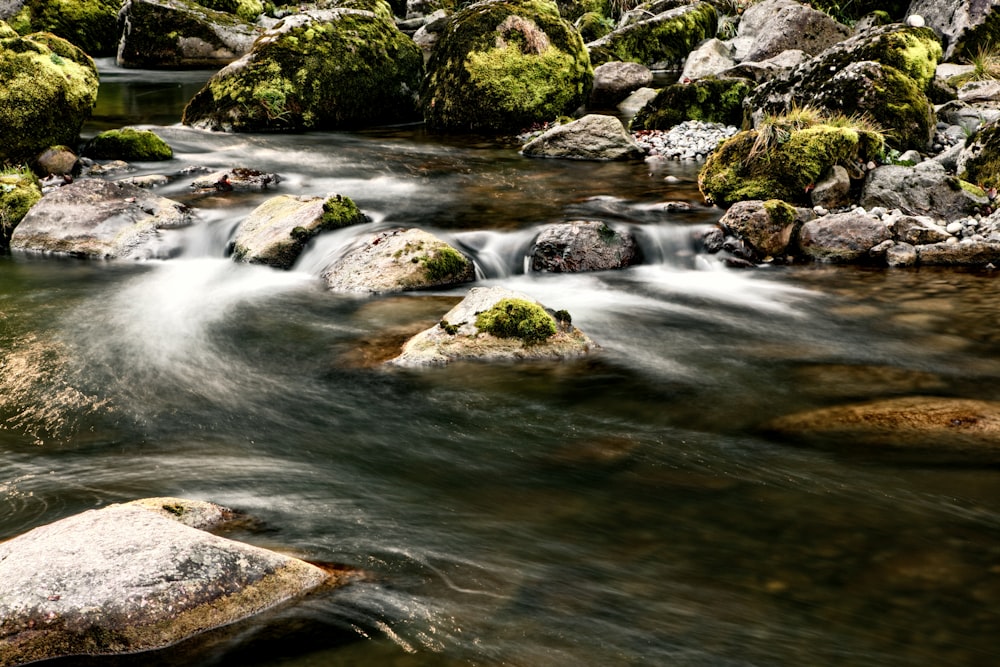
{"type": "Point", "coordinates": [135, 577]}
{"type": "Point", "coordinates": [523, 330]}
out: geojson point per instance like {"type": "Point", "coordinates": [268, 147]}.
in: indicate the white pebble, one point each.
{"type": "Point", "coordinates": [954, 227]}
{"type": "Point", "coordinates": [915, 21]}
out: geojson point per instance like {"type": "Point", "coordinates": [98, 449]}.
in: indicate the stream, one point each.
{"type": "Point", "coordinates": [623, 509]}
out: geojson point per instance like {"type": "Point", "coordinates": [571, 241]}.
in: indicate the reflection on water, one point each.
{"type": "Point", "coordinates": [618, 510]}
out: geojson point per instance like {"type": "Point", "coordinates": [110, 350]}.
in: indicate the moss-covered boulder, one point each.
{"type": "Point", "coordinates": [48, 88]}
{"type": "Point", "coordinates": [501, 65]}
{"type": "Point", "coordinates": [19, 191]}
{"type": "Point", "coordinates": [784, 163]}
{"type": "Point", "coordinates": [979, 161]}
{"type": "Point", "coordinates": [92, 25]}
{"type": "Point", "coordinates": [766, 228]}
{"type": "Point", "coordinates": [129, 144]}
{"type": "Point", "coordinates": [276, 232]}
{"type": "Point", "coordinates": [248, 10]}
{"type": "Point", "coordinates": [496, 324]}
{"type": "Point", "coordinates": [135, 577]}
{"type": "Point", "coordinates": [398, 260]}
{"type": "Point", "coordinates": [326, 69]}
{"type": "Point", "coordinates": [713, 100]}
{"type": "Point", "coordinates": [663, 40]}
{"type": "Point", "coordinates": [965, 27]}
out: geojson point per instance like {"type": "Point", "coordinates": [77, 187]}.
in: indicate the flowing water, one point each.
{"type": "Point", "coordinates": [626, 509]}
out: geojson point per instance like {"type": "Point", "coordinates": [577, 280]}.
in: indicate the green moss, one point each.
{"type": "Point", "coordinates": [91, 25]}
{"type": "Point", "coordinates": [248, 10]}
{"type": "Point", "coordinates": [446, 264]}
{"type": "Point", "coordinates": [784, 170]}
{"type": "Point", "coordinates": [983, 167]}
{"type": "Point", "coordinates": [709, 99]}
{"type": "Point", "coordinates": [593, 26]}
{"type": "Point", "coordinates": [358, 70]}
{"type": "Point", "coordinates": [340, 211]}
{"type": "Point", "coordinates": [128, 144]}
{"type": "Point", "coordinates": [659, 40]}
{"type": "Point", "coordinates": [19, 191]}
{"type": "Point", "coordinates": [517, 318]}
{"type": "Point", "coordinates": [503, 65]}
{"type": "Point", "coordinates": [984, 36]}
{"type": "Point", "coordinates": [42, 102]}
{"type": "Point", "coordinates": [973, 190]}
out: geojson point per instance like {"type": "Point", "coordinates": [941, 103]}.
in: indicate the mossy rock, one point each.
{"type": "Point", "coordinates": [48, 88]}
{"type": "Point", "coordinates": [128, 144]}
{"type": "Point", "coordinates": [517, 318]}
{"type": "Point", "coordinates": [248, 10]}
{"type": "Point", "coordinates": [572, 10]}
{"type": "Point", "coordinates": [849, 11]}
{"type": "Point", "coordinates": [593, 26]}
{"type": "Point", "coordinates": [91, 25]}
{"type": "Point", "coordinates": [979, 162]}
{"type": "Point", "coordinates": [786, 170]}
{"type": "Point", "coordinates": [19, 191]}
{"type": "Point", "coordinates": [332, 69]}
{"type": "Point", "coordinates": [501, 65]}
{"type": "Point", "coordinates": [710, 99]}
{"type": "Point", "coordinates": [666, 38]}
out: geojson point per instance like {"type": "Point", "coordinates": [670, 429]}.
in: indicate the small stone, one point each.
{"type": "Point", "coordinates": [878, 212]}
{"type": "Point", "coordinates": [952, 240]}
{"type": "Point", "coordinates": [915, 21]}
{"type": "Point", "coordinates": [820, 211]}
{"type": "Point", "coordinates": [954, 227]}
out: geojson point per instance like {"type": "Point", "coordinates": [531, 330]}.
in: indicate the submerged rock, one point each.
{"type": "Point", "coordinates": [94, 218]}
{"type": "Point", "coordinates": [276, 231]}
{"type": "Point", "coordinates": [135, 577]}
{"type": "Point", "coordinates": [522, 330]}
{"type": "Point", "coordinates": [593, 137]}
{"type": "Point", "coordinates": [583, 246]}
{"type": "Point", "coordinates": [397, 260]}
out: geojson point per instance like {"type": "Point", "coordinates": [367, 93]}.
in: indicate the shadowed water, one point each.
{"type": "Point", "coordinates": [625, 509]}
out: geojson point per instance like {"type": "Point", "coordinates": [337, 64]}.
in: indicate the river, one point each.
{"type": "Point", "coordinates": [626, 509]}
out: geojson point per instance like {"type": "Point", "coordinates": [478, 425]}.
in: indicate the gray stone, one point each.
{"type": "Point", "coordinates": [135, 577]}
{"type": "Point", "coordinates": [774, 26]}
{"type": "Point", "coordinates": [397, 260]}
{"type": "Point", "coordinates": [764, 234]}
{"type": "Point", "coordinates": [768, 69]}
{"type": "Point", "coordinates": [834, 190]}
{"type": "Point", "coordinates": [178, 33]}
{"type": "Point", "coordinates": [925, 189]}
{"type": "Point", "coordinates": [571, 247]}
{"type": "Point", "coordinates": [901, 255]}
{"type": "Point", "coordinates": [457, 338]}
{"type": "Point", "coordinates": [969, 116]}
{"type": "Point", "coordinates": [712, 57]}
{"type": "Point", "coordinates": [614, 81]}
{"type": "Point", "coordinates": [276, 231]}
{"type": "Point", "coordinates": [630, 106]}
{"type": "Point", "coordinates": [980, 91]}
{"type": "Point", "coordinates": [842, 237]}
{"type": "Point", "coordinates": [593, 137]}
{"type": "Point", "coordinates": [959, 254]}
{"type": "Point", "coordinates": [956, 22]}
{"type": "Point", "coordinates": [918, 230]}
{"type": "Point", "coordinates": [98, 219]}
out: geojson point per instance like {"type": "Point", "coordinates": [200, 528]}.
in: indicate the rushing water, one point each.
{"type": "Point", "coordinates": [621, 510]}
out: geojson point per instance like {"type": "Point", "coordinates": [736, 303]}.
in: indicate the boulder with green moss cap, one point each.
{"type": "Point", "coordinates": [713, 100]}
{"type": "Point", "coordinates": [324, 69]}
{"type": "Point", "coordinates": [398, 260]}
{"type": "Point", "coordinates": [979, 161]}
{"type": "Point", "coordinates": [48, 88]}
{"type": "Point", "coordinates": [135, 577]}
{"type": "Point", "coordinates": [88, 24]}
{"type": "Point", "coordinates": [496, 324]}
{"type": "Point", "coordinates": [502, 65]}
{"type": "Point", "coordinates": [661, 41]}
{"type": "Point", "coordinates": [276, 231]}
{"type": "Point", "coordinates": [173, 34]}
{"type": "Point", "coordinates": [129, 144]}
{"type": "Point", "coordinates": [766, 228]}
{"type": "Point", "coordinates": [19, 191]}
{"type": "Point", "coordinates": [965, 27]}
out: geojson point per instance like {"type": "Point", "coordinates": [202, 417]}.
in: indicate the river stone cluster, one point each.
{"type": "Point", "coordinates": [690, 140]}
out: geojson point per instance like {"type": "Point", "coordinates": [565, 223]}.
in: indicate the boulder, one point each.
{"type": "Point", "coordinates": [966, 253]}
{"type": "Point", "coordinates": [766, 228]}
{"type": "Point", "coordinates": [90, 25]}
{"type": "Point", "coordinates": [19, 191]}
{"type": "Point", "coordinates": [276, 231]}
{"type": "Point", "coordinates": [593, 137]}
{"type": "Point", "coordinates": [660, 42]}
{"type": "Point", "coordinates": [924, 189]}
{"type": "Point", "coordinates": [129, 144]}
{"type": "Point", "coordinates": [523, 330]}
{"type": "Point", "coordinates": [94, 218]}
{"type": "Point", "coordinates": [135, 577]}
{"type": "Point", "coordinates": [784, 170]}
{"type": "Point", "coordinates": [174, 34]}
{"type": "Point", "coordinates": [398, 260]}
{"type": "Point", "coordinates": [614, 81]}
{"type": "Point", "coordinates": [842, 237]}
{"type": "Point", "coordinates": [951, 426]}
{"type": "Point", "coordinates": [918, 230]}
{"type": "Point", "coordinates": [502, 65]}
{"type": "Point", "coordinates": [318, 70]}
{"type": "Point", "coordinates": [773, 26]}
{"type": "Point", "coordinates": [583, 245]}
{"type": "Point", "coordinates": [712, 100]}
{"type": "Point", "coordinates": [834, 190]}
{"type": "Point", "coordinates": [710, 58]}
{"type": "Point", "coordinates": [964, 27]}
{"type": "Point", "coordinates": [57, 161]}
{"type": "Point", "coordinates": [631, 105]}
{"type": "Point", "coordinates": [766, 70]}
{"type": "Point", "coordinates": [979, 161]}
{"type": "Point", "coordinates": [49, 88]}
